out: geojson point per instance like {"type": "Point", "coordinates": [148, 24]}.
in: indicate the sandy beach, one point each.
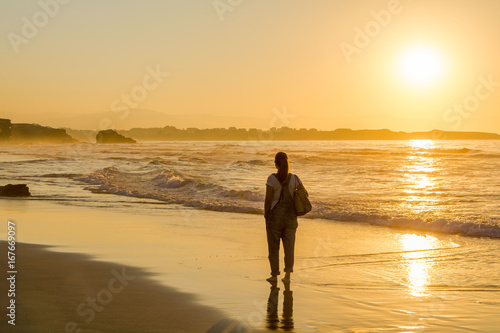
{"type": "Point", "coordinates": [61, 292]}
{"type": "Point", "coordinates": [56, 282]}
{"type": "Point", "coordinates": [193, 268]}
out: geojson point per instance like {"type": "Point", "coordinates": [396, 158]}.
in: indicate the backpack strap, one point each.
{"type": "Point", "coordinates": [283, 185]}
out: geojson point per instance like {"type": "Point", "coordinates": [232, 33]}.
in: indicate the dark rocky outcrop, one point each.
{"type": "Point", "coordinates": [5, 129]}
{"type": "Point", "coordinates": [110, 136]}
{"type": "Point", "coordinates": [17, 190]}
{"type": "Point", "coordinates": [34, 133]}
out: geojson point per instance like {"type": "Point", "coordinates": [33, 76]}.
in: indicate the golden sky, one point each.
{"type": "Point", "coordinates": [404, 65]}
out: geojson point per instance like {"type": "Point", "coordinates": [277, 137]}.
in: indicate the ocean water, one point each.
{"type": "Point", "coordinates": [416, 249]}
{"type": "Point", "coordinates": [443, 186]}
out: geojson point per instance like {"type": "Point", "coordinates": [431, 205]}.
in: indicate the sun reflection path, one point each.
{"type": "Point", "coordinates": [421, 191]}
{"type": "Point", "coordinates": [418, 266]}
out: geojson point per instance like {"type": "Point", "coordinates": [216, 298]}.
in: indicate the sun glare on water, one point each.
{"type": "Point", "coordinates": [422, 144]}
{"type": "Point", "coordinates": [418, 266]}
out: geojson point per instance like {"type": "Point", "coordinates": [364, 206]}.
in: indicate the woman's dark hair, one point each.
{"type": "Point", "coordinates": [281, 161]}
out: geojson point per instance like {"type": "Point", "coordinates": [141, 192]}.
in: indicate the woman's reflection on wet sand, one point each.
{"type": "Point", "coordinates": [272, 321]}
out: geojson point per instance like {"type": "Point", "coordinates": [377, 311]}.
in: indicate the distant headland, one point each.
{"type": "Point", "coordinates": [34, 133]}
{"type": "Point", "coordinates": [170, 133]}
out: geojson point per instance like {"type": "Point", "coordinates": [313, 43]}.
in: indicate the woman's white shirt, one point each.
{"type": "Point", "coordinates": [276, 185]}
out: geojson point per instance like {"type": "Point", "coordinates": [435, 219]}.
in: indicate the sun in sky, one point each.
{"type": "Point", "coordinates": [421, 66]}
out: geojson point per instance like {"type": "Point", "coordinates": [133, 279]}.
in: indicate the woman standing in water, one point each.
{"type": "Point", "coordinates": [281, 220]}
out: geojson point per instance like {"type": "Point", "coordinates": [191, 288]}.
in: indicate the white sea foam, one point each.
{"type": "Point", "coordinates": [479, 229]}
{"type": "Point", "coordinates": [174, 187]}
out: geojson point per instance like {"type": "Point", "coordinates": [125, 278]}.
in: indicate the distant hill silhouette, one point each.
{"type": "Point", "coordinates": [34, 133]}
{"type": "Point", "coordinates": [169, 133]}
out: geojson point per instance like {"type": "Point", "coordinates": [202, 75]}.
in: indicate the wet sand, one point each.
{"type": "Point", "coordinates": [348, 277]}
{"type": "Point", "coordinates": [68, 292]}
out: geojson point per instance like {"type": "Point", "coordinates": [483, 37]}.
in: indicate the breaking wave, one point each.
{"type": "Point", "coordinates": [171, 186]}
